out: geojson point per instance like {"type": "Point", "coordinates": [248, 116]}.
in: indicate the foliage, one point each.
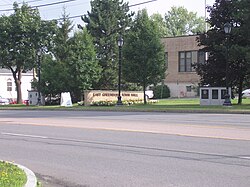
{"type": "Point", "coordinates": [161, 91]}
{"type": "Point", "coordinates": [231, 50]}
{"type": "Point", "coordinates": [83, 65]}
{"type": "Point", "coordinates": [21, 35]}
{"type": "Point", "coordinates": [72, 65]}
{"type": "Point", "coordinates": [125, 102]}
{"type": "Point", "coordinates": [178, 22]}
{"type": "Point", "coordinates": [11, 175]}
{"type": "Point", "coordinates": [105, 21]}
{"type": "Point", "coordinates": [162, 26]}
{"type": "Point", "coordinates": [144, 62]}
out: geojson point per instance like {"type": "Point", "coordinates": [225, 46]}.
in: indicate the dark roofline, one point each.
{"type": "Point", "coordinates": [180, 36]}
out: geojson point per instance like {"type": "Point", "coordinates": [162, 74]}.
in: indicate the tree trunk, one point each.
{"type": "Point", "coordinates": [144, 94]}
{"type": "Point", "coordinates": [240, 91]}
{"type": "Point", "coordinates": [17, 77]}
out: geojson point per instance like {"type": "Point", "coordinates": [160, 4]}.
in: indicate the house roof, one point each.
{"type": "Point", "coordinates": [6, 71]}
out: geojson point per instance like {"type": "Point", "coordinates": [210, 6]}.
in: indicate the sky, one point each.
{"type": "Point", "coordinates": [80, 7]}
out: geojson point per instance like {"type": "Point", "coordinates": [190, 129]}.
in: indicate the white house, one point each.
{"type": "Point", "coordinates": [8, 87]}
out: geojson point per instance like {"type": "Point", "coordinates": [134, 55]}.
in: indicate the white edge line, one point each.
{"type": "Point", "coordinates": [24, 135]}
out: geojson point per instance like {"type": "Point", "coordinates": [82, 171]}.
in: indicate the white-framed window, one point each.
{"type": "Point", "coordinates": [9, 85]}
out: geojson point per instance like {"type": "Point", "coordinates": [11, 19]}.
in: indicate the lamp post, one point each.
{"type": "Point", "coordinates": [39, 53]}
{"type": "Point", "coordinates": [227, 30]}
{"type": "Point", "coordinates": [120, 44]}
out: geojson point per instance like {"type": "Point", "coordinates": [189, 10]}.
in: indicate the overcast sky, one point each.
{"type": "Point", "coordinates": [80, 7]}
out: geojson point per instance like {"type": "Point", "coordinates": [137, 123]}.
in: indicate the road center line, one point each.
{"type": "Point", "coordinates": [24, 135]}
{"type": "Point", "coordinates": [125, 145]}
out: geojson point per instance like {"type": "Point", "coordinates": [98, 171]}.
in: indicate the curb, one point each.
{"type": "Point", "coordinates": [31, 178]}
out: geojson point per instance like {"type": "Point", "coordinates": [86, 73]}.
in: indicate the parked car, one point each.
{"type": "Point", "coordinates": [4, 101]}
{"type": "Point", "coordinates": [149, 94]}
{"type": "Point", "coordinates": [246, 93]}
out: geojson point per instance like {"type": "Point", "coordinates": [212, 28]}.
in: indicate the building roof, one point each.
{"type": "Point", "coordinates": [7, 71]}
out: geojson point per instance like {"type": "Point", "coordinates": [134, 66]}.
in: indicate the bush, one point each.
{"type": "Point", "coordinates": [161, 92]}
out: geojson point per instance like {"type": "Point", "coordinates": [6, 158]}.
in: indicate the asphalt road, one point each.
{"type": "Point", "coordinates": [74, 149]}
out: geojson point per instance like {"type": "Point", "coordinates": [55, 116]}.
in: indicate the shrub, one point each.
{"type": "Point", "coordinates": [161, 92]}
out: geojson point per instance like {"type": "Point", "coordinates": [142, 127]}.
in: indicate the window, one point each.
{"type": "Point", "coordinates": [215, 94]}
{"type": "Point", "coordinates": [201, 57]}
{"type": "Point", "coordinates": [9, 85]}
{"type": "Point", "coordinates": [188, 58]}
{"type": "Point", "coordinates": [223, 93]}
{"type": "Point", "coordinates": [185, 61]}
{"type": "Point", "coordinates": [204, 94]}
{"type": "Point", "coordinates": [189, 88]}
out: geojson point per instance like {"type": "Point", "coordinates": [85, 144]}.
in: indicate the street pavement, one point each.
{"type": "Point", "coordinates": [79, 148]}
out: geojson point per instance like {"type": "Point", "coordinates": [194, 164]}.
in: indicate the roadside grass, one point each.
{"type": "Point", "coordinates": [163, 105]}
{"type": "Point", "coordinates": [11, 175]}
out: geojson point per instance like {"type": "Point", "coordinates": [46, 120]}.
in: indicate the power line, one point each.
{"type": "Point", "coordinates": [49, 4]}
{"type": "Point", "coordinates": [68, 6]}
{"type": "Point", "coordinates": [22, 3]}
{"type": "Point", "coordinates": [145, 2]}
{"type": "Point", "coordinates": [78, 16]}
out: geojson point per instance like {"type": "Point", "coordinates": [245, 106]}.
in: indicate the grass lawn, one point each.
{"type": "Point", "coordinates": [11, 175]}
{"type": "Point", "coordinates": [164, 105]}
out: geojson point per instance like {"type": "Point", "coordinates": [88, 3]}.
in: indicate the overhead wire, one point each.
{"type": "Point", "coordinates": [78, 16]}
{"type": "Point", "coordinates": [37, 6]}
{"type": "Point", "coordinates": [32, 1]}
{"type": "Point", "coordinates": [66, 1]}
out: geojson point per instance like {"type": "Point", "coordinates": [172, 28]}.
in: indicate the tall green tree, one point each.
{"type": "Point", "coordinates": [225, 49]}
{"type": "Point", "coordinates": [72, 65]}
{"type": "Point", "coordinates": [143, 53]}
{"type": "Point", "coordinates": [104, 22]}
{"type": "Point", "coordinates": [83, 65]}
{"type": "Point", "coordinates": [21, 35]}
{"type": "Point", "coordinates": [181, 22]}
{"type": "Point", "coordinates": [55, 76]}
{"type": "Point", "coordinates": [160, 21]}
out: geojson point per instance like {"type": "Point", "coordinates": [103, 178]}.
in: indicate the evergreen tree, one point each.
{"type": "Point", "coordinates": [104, 22]}
{"type": "Point", "coordinates": [83, 65]}
{"type": "Point", "coordinates": [72, 65]}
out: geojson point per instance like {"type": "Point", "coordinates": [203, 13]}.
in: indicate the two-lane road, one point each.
{"type": "Point", "coordinates": [70, 148]}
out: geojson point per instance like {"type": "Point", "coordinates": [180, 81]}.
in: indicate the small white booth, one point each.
{"type": "Point", "coordinates": [213, 95]}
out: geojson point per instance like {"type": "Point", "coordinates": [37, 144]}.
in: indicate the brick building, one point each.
{"type": "Point", "coordinates": [181, 52]}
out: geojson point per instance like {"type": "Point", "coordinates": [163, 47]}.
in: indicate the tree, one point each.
{"type": "Point", "coordinates": [162, 26]}
{"type": "Point", "coordinates": [21, 35]}
{"type": "Point", "coordinates": [216, 42]}
{"type": "Point", "coordinates": [72, 65]}
{"type": "Point", "coordinates": [181, 22]}
{"type": "Point", "coordinates": [83, 65]}
{"type": "Point", "coordinates": [54, 67]}
{"type": "Point", "coordinates": [106, 20]}
{"type": "Point", "coordinates": [143, 53]}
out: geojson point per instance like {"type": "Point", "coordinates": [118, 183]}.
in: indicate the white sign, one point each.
{"type": "Point", "coordinates": [66, 99]}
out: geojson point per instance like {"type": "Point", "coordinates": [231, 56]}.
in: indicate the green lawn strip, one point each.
{"type": "Point", "coordinates": [11, 175]}
{"type": "Point", "coordinates": [164, 105]}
